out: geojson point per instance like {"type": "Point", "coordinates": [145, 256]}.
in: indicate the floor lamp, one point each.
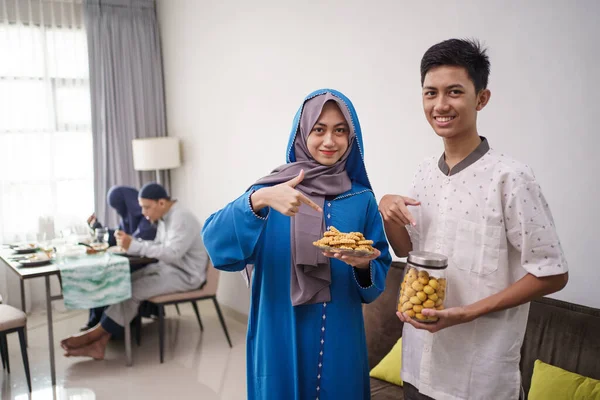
{"type": "Point", "coordinates": [155, 154]}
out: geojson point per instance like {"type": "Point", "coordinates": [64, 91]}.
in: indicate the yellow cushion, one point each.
{"type": "Point", "coordinates": [389, 367]}
{"type": "Point", "coordinates": [550, 382]}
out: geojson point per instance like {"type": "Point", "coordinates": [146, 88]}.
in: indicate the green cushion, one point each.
{"type": "Point", "coordinates": [389, 367]}
{"type": "Point", "coordinates": [550, 382]}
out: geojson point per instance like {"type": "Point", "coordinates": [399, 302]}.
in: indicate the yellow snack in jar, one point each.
{"type": "Point", "coordinates": [423, 274]}
{"type": "Point", "coordinates": [415, 300]}
{"type": "Point", "coordinates": [422, 296]}
{"type": "Point", "coordinates": [432, 319]}
{"type": "Point", "coordinates": [403, 285]}
{"type": "Point", "coordinates": [429, 304]}
{"type": "Point", "coordinates": [433, 283]}
{"type": "Point", "coordinates": [433, 297]}
{"type": "Point", "coordinates": [418, 286]}
{"type": "Point", "coordinates": [439, 308]}
{"type": "Point", "coordinates": [439, 302]}
{"type": "Point", "coordinates": [428, 289]}
{"type": "Point", "coordinates": [410, 278]}
{"type": "Point", "coordinates": [442, 282]}
{"type": "Point", "coordinates": [417, 308]}
{"type": "Point", "coordinates": [420, 317]}
{"type": "Point", "coordinates": [409, 292]}
{"type": "Point", "coordinates": [423, 280]}
{"type": "Point", "coordinates": [410, 313]}
{"type": "Point", "coordinates": [403, 299]}
{"type": "Point", "coordinates": [407, 306]}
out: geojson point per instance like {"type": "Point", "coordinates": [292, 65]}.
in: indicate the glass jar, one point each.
{"type": "Point", "coordinates": [424, 284]}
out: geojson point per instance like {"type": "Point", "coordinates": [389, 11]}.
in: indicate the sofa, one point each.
{"type": "Point", "coordinates": [559, 333]}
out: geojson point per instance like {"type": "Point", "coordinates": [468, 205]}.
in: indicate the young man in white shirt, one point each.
{"type": "Point", "coordinates": [486, 212]}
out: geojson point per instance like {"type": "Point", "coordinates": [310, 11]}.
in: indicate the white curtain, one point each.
{"type": "Point", "coordinates": [46, 156]}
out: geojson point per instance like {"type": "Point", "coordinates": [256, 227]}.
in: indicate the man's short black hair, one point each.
{"type": "Point", "coordinates": [466, 53]}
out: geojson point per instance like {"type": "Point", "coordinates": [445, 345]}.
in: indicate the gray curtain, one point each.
{"type": "Point", "coordinates": [126, 86]}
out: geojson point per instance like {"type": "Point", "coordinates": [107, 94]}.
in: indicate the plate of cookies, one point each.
{"type": "Point", "coordinates": [352, 243]}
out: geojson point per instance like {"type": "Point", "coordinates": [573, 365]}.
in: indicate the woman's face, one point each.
{"type": "Point", "coordinates": [328, 140]}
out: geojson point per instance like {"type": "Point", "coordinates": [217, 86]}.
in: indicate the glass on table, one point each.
{"type": "Point", "coordinates": [100, 239]}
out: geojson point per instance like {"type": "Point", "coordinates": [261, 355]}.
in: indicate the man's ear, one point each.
{"type": "Point", "coordinates": [482, 99]}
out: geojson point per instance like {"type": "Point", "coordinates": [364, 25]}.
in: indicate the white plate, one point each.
{"type": "Point", "coordinates": [26, 248]}
{"type": "Point", "coordinates": [99, 246]}
{"type": "Point", "coordinates": [118, 250]}
{"type": "Point", "coordinates": [35, 260]}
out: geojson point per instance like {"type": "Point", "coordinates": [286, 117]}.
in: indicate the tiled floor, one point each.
{"type": "Point", "coordinates": [198, 366]}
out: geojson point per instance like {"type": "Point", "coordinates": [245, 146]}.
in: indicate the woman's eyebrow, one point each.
{"type": "Point", "coordinates": [338, 124]}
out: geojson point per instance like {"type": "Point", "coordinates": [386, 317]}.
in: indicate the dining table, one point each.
{"type": "Point", "coordinates": [53, 268]}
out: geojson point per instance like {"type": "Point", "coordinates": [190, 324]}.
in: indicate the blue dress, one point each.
{"type": "Point", "coordinates": [315, 351]}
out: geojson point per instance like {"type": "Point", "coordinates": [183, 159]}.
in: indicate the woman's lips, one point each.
{"type": "Point", "coordinates": [328, 152]}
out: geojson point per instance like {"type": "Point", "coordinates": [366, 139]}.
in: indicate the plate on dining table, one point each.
{"type": "Point", "coordinates": [35, 260]}
{"type": "Point", "coordinates": [117, 250]}
{"type": "Point", "coordinates": [25, 248]}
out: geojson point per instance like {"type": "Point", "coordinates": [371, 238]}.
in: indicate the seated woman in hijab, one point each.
{"type": "Point", "coordinates": [306, 336]}
{"type": "Point", "coordinates": [124, 199]}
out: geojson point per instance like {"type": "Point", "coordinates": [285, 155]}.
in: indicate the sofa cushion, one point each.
{"type": "Point", "coordinates": [550, 382]}
{"type": "Point", "coordinates": [381, 390]}
{"type": "Point", "coordinates": [561, 334]}
{"type": "Point", "coordinates": [382, 326]}
{"type": "Point", "coordinates": [389, 368]}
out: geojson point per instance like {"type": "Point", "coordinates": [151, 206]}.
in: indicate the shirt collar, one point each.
{"type": "Point", "coordinates": [169, 213]}
{"type": "Point", "coordinates": [475, 155]}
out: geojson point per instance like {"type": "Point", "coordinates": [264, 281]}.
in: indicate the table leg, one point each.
{"type": "Point", "coordinates": [127, 340]}
{"type": "Point", "coordinates": [23, 306]}
{"type": "Point", "coordinates": [50, 330]}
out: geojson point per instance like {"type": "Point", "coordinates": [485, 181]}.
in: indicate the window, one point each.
{"type": "Point", "coordinates": [46, 159]}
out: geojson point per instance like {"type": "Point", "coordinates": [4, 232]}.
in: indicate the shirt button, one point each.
{"type": "Point", "coordinates": [328, 204]}
{"type": "Point", "coordinates": [328, 215]}
{"type": "Point", "coordinates": [446, 181]}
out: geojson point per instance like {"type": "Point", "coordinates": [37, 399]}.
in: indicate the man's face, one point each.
{"type": "Point", "coordinates": [450, 102]}
{"type": "Point", "coordinates": [153, 210]}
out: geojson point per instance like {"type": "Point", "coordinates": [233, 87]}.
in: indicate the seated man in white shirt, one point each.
{"type": "Point", "coordinates": [181, 266]}
{"type": "Point", "coordinates": [486, 212]}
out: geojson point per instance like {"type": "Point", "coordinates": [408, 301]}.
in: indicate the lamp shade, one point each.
{"type": "Point", "coordinates": [151, 154]}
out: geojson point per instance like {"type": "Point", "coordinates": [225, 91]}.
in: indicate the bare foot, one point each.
{"type": "Point", "coordinates": [75, 342]}
{"type": "Point", "coordinates": [82, 339]}
{"type": "Point", "coordinates": [94, 350]}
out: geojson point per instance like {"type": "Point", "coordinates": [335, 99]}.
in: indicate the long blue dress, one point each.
{"type": "Point", "coordinates": [315, 351]}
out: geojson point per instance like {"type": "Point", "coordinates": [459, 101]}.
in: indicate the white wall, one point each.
{"type": "Point", "coordinates": [237, 71]}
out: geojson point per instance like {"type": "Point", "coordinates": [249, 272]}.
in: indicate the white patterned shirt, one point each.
{"type": "Point", "coordinates": [488, 215]}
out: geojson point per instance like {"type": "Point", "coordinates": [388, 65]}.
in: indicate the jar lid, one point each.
{"type": "Point", "coordinates": [427, 259]}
